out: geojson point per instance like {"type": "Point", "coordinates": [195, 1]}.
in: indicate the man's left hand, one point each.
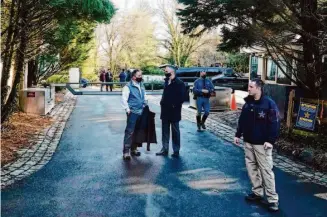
{"type": "Point", "coordinates": [267, 145]}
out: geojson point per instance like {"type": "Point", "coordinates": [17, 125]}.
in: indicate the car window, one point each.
{"type": "Point", "coordinates": [211, 74]}
{"type": "Point", "coordinates": [186, 74]}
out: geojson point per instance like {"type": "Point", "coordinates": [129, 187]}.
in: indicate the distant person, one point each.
{"type": "Point", "coordinates": [122, 76]}
{"type": "Point", "coordinates": [133, 101]}
{"type": "Point", "coordinates": [109, 78]}
{"type": "Point", "coordinates": [253, 75]}
{"type": "Point", "coordinates": [171, 111]}
{"type": "Point", "coordinates": [128, 75]}
{"type": "Point", "coordinates": [102, 78]}
{"type": "Point", "coordinates": [202, 90]}
{"type": "Point", "coordinates": [259, 126]}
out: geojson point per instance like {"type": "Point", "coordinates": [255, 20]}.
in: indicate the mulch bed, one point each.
{"type": "Point", "coordinates": [17, 133]}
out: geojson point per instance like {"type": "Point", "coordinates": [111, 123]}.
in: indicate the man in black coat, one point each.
{"type": "Point", "coordinates": [171, 110]}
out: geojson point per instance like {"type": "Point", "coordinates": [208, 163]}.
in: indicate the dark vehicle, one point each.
{"type": "Point", "coordinates": [192, 73]}
{"type": "Point", "coordinates": [220, 76]}
{"type": "Point", "coordinates": [84, 82]}
{"type": "Point", "coordinates": [234, 80]}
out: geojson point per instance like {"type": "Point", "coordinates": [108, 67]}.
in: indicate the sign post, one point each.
{"type": "Point", "coordinates": [307, 115]}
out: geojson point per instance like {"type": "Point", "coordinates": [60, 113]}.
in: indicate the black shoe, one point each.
{"type": "Point", "coordinates": [198, 122]}
{"type": "Point", "coordinates": [253, 197]}
{"type": "Point", "coordinates": [273, 207]}
{"type": "Point", "coordinates": [204, 118]}
{"type": "Point", "coordinates": [126, 156]}
{"type": "Point", "coordinates": [162, 153]}
{"type": "Point", "coordinates": [175, 154]}
{"type": "Point", "coordinates": [135, 153]}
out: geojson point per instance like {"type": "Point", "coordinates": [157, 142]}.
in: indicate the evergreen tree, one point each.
{"type": "Point", "coordinates": [290, 31]}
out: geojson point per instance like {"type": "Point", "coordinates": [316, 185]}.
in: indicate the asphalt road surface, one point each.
{"type": "Point", "coordinates": [88, 177]}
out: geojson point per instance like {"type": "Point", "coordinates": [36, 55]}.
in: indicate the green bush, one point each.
{"type": "Point", "coordinates": [58, 79]}
{"type": "Point", "coordinates": [151, 70]}
{"type": "Point", "coordinates": [91, 77]}
{"type": "Point", "coordinates": [156, 85]}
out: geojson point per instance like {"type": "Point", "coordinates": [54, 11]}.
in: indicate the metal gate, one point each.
{"type": "Point", "coordinates": [94, 88]}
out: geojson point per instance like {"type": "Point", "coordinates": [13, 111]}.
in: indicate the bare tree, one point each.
{"type": "Point", "coordinates": [180, 46]}
{"type": "Point", "coordinates": [128, 41]}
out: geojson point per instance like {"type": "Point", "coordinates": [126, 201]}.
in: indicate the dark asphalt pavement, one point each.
{"type": "Point", "coordinates": [87, 176]}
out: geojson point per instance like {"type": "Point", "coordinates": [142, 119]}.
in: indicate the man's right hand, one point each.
{"type": "Point", "coordinates": [205, 91]}
{"type": "Point", "coordinates": [237, 141]}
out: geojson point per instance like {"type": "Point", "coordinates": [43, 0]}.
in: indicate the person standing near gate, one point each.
{"type": "Point", "coordinates": [259, 126]}
{"type": "Point", "coordinates": [122, 76]}
{"type": "Point", "coordinates": [109, 78]}
{"type": "Point", "coordinates": [171, 110]}
{"type": "Point", "coordinates": [203, 88]}
{"type": "Point", "coordinates": [133, 101]}
{"type": "Point", "coordinates": [102, 78]}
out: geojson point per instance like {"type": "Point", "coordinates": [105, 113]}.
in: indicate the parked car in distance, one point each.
{"type": "Point", "coordinates": [220, 76]}
{"type": "Point", "coordinates": [190, 74]}
{"type": "Point", "coordinates": [234, 80]}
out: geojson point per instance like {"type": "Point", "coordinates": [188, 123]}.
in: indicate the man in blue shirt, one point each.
{"type": "Point", "coordinates": [202, 90]}
{"type": "Point", "coordinates": [259, 126]}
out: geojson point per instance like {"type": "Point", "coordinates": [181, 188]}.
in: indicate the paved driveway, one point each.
{"type": "Point", "coordinates": [87, 176]}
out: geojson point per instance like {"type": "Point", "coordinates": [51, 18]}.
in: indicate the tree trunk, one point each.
{"type": "Point", "coordinates": [9, 50]}
{"type": "Point", "coordinates": [310, 45]}
{"type": "Point", "coordinates": [32, 71]}
{"type": "Point", "coordinates": [10, 105]}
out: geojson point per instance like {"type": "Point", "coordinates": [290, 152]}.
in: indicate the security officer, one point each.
{"type": "Point", "coordinates": [202, 90]}
{"type": "Point", "coordinates": [259, 126]}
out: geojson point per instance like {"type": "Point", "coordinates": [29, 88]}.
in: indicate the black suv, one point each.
{"type": "Point", "coordinates": [220, 76]}
{"type": "Point", "coordinates": [234, 80]}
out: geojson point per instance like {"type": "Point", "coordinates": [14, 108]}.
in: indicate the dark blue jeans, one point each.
{"type": "Point", "coordinates": [202, 102]}
{"type": "Point", "coordinates": [128, 138]}
{"type": "Point", "coordinates": [166, 135]}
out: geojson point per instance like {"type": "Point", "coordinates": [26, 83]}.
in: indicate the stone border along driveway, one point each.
{"type": "Point", "coordinates": [227, 133]}
{"type": "Point", "coordinates": [35, 157]}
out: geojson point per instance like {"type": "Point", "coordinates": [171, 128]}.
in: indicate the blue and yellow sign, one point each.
{"type": "Point", "coordinates": [306, 117]}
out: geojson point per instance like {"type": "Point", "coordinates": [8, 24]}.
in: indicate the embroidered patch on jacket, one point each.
{"type": "Point", "coordinates": [262, 114]}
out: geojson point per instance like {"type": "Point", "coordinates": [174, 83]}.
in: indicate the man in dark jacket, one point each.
{"type": "Point", "coordinates": [128, 75]}
{"type": "Point", "coordinates": [122, 76]}
{"type": "Point", "coordinates": [259, 126]}
{"type": "Point", "coordinates": [109, 78]}
{"type": "Point", "coordinates": [171, 110]}
{"type": "Point", "coordinates": [103, 79]}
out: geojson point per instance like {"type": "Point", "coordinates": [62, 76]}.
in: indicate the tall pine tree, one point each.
{"type": "Point", "coordinates": [295, 30]}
